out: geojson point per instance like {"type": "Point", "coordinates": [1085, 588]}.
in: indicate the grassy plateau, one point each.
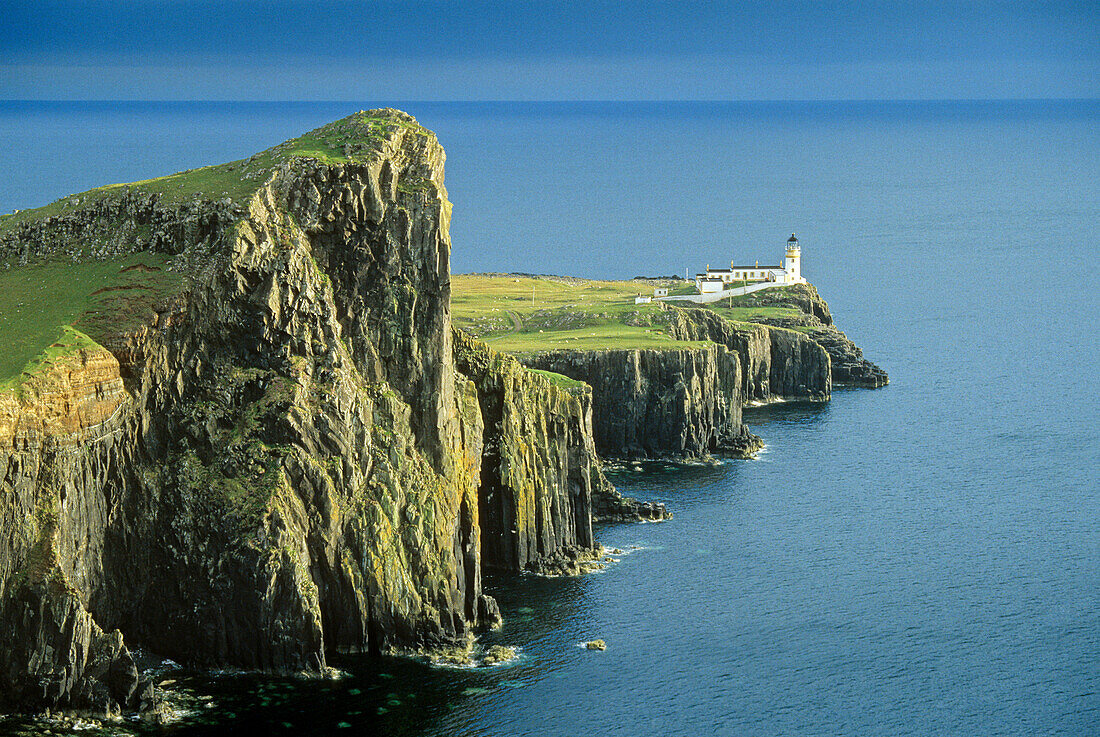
{"type": "Point", "coordinates": [56, 307]}
{"type": "Point", "coordinates": [520, 314]}
{"type": "Point", "coordinates": [50, 309]}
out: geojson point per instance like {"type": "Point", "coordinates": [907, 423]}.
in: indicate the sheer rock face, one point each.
{"type": "Point", "coordinates": [686, 404]}
{"type": "Point", "coordinates": [848, 365]}
{"type": "Point", "coordinates": [540, 469]}
{"type": "Point", "coordinates": [285, 461]}
{"type": "Point", "coordinates": [679, 404]}
{"type": "Point", "coordinates": [775, 363]}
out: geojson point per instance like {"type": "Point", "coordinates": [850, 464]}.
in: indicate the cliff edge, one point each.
{"type": "Point", "coordinates": [274, 453]}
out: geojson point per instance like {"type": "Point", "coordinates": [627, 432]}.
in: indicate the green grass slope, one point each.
{"type": "Point", "coordinates": [521, 314]}
{"type": "Point", "coordinates": [524, 314]}
{"type": "Point", "coordinates": [348, 139]}
{"type": "Point", "coordinates": [48, 309]}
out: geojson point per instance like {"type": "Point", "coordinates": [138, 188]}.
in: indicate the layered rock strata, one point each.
{"type": "Point", "coordinates": [686, 404]}
{"type": "Point", "coordinates": [538, 467]}
{"type": "Point", "coordinates": [285, 460]}
{"type": "Point", "coordinates": [774, 363]}
{"type": "Point", "coordinates": [528, 523]}
{"type": "Point", "coordinates": [678, 404]}
{"type": "Point", "coordinates": [848, 365]}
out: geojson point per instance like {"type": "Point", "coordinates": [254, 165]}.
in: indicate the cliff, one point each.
{"type": "Point", "coordinates": [539, 465]}
{"type": "Point", "coordinates": [848, 365]}
{"type": "Point", "coordinates": [775, 363]}
{"type": "Point", "coordinates": [283, 454]}
{"type": "Point", "coordinates": [542, 481]}
{"type": "Point", "coordinates": [686, 404]}
{"type": "Point", "coordinates": [680, 404]}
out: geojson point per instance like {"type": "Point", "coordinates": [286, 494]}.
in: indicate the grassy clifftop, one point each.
{"type": "Point", "coordinates": [521, 314]}
{"type": "Point", "coordinates": [48, 310]}
{"type": "Point", "coordinates": [345, 140]}
{"type": "Point", "coordinates": [72, 297]}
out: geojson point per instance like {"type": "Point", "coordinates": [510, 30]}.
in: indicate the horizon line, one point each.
{"type": "Point", "coordinates": [569, 101]}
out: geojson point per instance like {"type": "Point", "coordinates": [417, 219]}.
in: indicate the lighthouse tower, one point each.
{"type": "Point", "coordinates": [792, 264]}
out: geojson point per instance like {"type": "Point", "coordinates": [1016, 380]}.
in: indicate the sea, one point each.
{"type": "Point", "coordinates": [921, 559]}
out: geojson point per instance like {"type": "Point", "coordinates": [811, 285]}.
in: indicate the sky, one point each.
{"type": "Point", "coordinates": [540, 50]}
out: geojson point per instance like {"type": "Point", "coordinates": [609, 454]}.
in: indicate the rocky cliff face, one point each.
{"type": "Point", "coordinates": [848, 366]}
{"type": "Point", "coordinates": [60, 431]}
{"type": "Point", "coordinates": [660, 403]}
{"type": "Point", "coordinates": [286, 458]}
{"type": "Point", "coordinates": [686, 404]}
{"type": "Point", "coordinates": [775, 363]}
{"type": "Point", "coordinates": [539, 468]}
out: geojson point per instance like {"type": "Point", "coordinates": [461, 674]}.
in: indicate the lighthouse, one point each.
{"type": "Point", "coordinates": [792, 264]}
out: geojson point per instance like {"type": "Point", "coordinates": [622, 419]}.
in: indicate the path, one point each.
{"type": "Point", "coordinates": [715, 296]}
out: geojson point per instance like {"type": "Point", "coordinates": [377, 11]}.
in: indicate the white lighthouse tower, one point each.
{"type": "Point", "coordinates": [792, 264]}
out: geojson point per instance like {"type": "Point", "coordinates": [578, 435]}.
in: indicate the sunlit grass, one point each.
{"type": "Point", "coordinates": [524, 314]}
{"type": "Point", "coordinates": [43, 304]}
{"type": "Point", "coordinates": [349, 139]}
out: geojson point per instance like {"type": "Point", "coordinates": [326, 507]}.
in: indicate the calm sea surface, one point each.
{"type": "Point", "coordinates": [920, 559]}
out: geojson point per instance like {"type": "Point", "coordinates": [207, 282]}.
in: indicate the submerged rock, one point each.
{"type": "Point", "coordinates": [496, 654]}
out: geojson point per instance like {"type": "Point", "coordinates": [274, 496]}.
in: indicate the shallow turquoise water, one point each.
{"type": "Point", "coordinates": [920, 559]}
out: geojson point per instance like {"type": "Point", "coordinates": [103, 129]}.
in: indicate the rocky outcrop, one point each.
{"type": "Point", "coordinates": [542, 481]}
{"type": "Point", "coordinates": [848, 366]}
{"type": "Point", "coordinates": [284, 461]}
{"type": "Point", "coordinates": [99, 227]}
{"type": "Point", "coordinates": [775, 363]}
{"type": "Point", "coordinates": [678, 404]}
{"type": "Point", "coordinates": [77, 391]}
{"type": "Point", "coordinates": [686, 404]}
{"type": "Point", "coordinates": [57, 430]}
{"type": "Point", "coordinates": [802, 297]}
{"type": "Point", "coordinates": [539, 465]}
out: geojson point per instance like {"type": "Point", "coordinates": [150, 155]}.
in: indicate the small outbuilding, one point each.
{"type": "Point", "coordinates": [660, 292]}
{"type": "Point", "coordinates": [642, 299]}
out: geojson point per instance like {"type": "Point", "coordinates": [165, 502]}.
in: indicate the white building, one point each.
{"type": "Point", "coordinates": [660, 292]}
{"type": "Point", "coordinates": [715, 280]}
{"type": "Point", "coordinates": [642, 299]}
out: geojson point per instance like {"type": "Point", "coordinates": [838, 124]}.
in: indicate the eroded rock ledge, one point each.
{"type": "Point", "coordinates": [686, 404]}
{"type": "Point", "coordinates": [679, 404]}
{"type": "Point", "coordinates": [848, 365]}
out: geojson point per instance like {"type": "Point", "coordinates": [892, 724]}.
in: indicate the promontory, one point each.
{"type": "Point", "coordinates": [240, 428]}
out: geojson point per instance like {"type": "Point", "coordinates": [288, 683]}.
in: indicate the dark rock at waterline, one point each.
{"type": "Point", "coordinates": [848, 364]}
{"type": "Point", "coordinates": [488, 612]}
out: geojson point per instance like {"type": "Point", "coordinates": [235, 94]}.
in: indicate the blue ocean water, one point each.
{"type": "Point", "coordinates": [920, 559]}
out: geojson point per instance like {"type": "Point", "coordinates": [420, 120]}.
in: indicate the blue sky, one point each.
{"type": "Point", "coordinates": [538, 50]}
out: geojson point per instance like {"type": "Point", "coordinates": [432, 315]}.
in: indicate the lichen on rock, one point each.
{"type": "Point", "coordinates": [283, 460]}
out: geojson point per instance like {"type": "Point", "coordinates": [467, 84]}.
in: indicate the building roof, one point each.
{"type": "Point", "coordinates": [792, 239]}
